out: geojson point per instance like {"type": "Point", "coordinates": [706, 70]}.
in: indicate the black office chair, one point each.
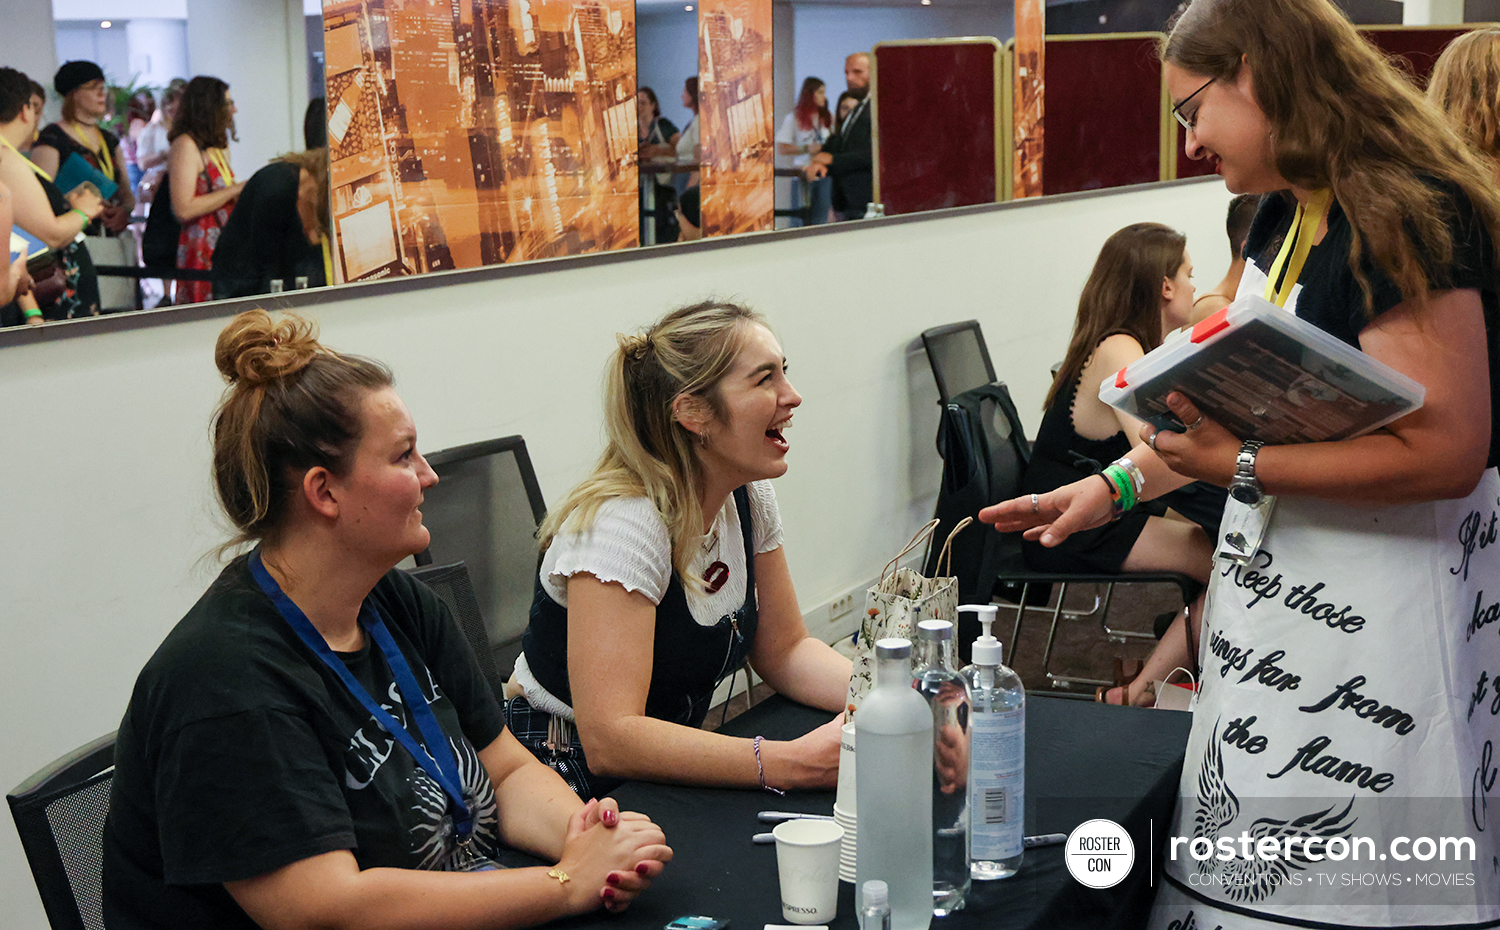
{"type": "Point", "coordinates": [451, 583]}
{"type": "Point", "coordinates": [999, 461]}
{"type": "Point", "coordinates": [59, 814]}
{"type": "Point", "coordinates": [484, 512]}
{"type": "Point", "coordinates": [959, 358]}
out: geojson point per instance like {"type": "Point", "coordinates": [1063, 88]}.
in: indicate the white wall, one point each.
{"type": "Point", "coordinates": [260, 48]}
{"type": "Point", "coordinates": [104, 487]}
{"type": "Point", "coordinates": [30, 43]}
{"type": "Point", "coordinates": [158, 50]}
{"type": "Point", "coordinates": [827, 34]}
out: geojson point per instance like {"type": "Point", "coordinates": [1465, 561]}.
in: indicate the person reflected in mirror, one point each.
{"type": "Point", "coordinates": [138, 113]}
{"type": "Point", "coordinates": [1141, 287]}
{"type": "Point", "coordinates": [846, 156]}
{"type": "Point", "coordinates": [689, 214]}
{"type": "Point", "coordinates": [69, 289]}
{"type": "Point", "coordinates": [15, 283]}
{"type": "Point", "coordinates": [203, 188]}
{"type": "Point", "coordinates": [1465, 84]}
{"type": "Point", "coordinates": [314, 745]}
{"type": "Point", "coordinates": [85, 104]}
{"type": "Point", "coordinates": [801, 136]}
{"type": "Point", "coordinates": [278, 230]}
{"type": "Point", "coordinates": [688, 143]}
{"type": "Point", "coordinates": [665, 570]}
{"type": "Point", "coordinates": [315, 124]}
{"type": "Point", "coordinates": [657, 139]}
{"type": "Point", "coordinates": [152, 147]}
{"type": "Point", "coordinates": [1237, 226]}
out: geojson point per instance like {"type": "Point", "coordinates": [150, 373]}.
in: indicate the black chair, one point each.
{"type": "Point", "coordinates": [451, 583]}
{"type": "Point", "coordinates": [484, 512]}
{"type": "Point", "coordinates": [959, 358]}
{"type": "Point", "coordinates": [59, 814]}
{"type": "Point", "coordinates": [1002, 466]}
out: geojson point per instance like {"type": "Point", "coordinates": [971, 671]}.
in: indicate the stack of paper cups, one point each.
{"type": "Point", "coordinates": [844, 805]}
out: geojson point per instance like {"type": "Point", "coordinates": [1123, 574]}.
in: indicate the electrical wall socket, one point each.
{"type": "Point", "coordinates": [840, 606]}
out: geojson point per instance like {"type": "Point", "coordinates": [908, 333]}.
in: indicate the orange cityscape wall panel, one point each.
{"type": "Point", "coordinates": [473, 132]}
{"type": "Point", "coordinates": [735, 106]}
{"type": "Point", "coordinates": [1031, 34]}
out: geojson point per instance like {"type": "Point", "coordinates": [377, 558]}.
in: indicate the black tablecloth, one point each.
{"type": "Point", "coordinates": [1083, 760]}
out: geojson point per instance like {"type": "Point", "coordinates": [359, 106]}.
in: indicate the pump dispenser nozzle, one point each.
{"type": "Point", "coordinates": [987, 649]}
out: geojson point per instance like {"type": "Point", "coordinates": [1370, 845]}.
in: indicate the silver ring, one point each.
{"type": "Point", "coordinates": [1036, 506]}
{"type": "Point", "coordinates": [1196, 423]}
{"type": "Point", "coordinates": [1152, 441]}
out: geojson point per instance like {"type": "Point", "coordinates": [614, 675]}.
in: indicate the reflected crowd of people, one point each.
{"type": "Point", "coordinates": [119, 187]}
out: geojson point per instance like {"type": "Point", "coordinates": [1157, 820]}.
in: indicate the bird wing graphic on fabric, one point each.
{"type": "Point", "coordinates": [1217, 805]}
{"type": "Point", "coordinates": [1257, 878]}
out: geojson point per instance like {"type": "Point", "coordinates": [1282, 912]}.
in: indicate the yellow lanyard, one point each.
{"type": "Point", "coordinates": [222, 163]}
{"type": "Point", "coordinates": [39, 171]}
{"type": "Point", "coordinates": [106, 161]}
{"type": "Point", "coordinates": [327, 261]}
{"type": "Point", "coordinates": [1298, 244]}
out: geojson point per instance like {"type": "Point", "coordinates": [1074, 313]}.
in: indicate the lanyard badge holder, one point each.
{"type": "Point", "coordinates": [1245, 521]}
{"type": "Point", "coordinates": [437, 757]}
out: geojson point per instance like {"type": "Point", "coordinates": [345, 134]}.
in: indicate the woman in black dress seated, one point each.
{"type": "Point", "coordinates": [664, 571]}
{"type": "Point", "coordinates": [314, 745]}
{"type": "Point", "coordinates": [1140, 289]}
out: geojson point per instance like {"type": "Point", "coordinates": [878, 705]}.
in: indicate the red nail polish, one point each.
{"type": "Point", "coordinates": [609, 894]}
{"type": "Point", "coordinates": [641, 869]}
{"type": "Point", "coordinates": [613, 879]}
{"type": "Point", "coordinates": [611, 818]}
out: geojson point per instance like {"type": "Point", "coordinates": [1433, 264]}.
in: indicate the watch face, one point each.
{"type": "Point", "coordinates": [1246, 493]}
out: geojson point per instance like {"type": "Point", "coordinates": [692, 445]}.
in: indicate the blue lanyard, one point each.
{"type": "Point", "coordinates": [439, 762]}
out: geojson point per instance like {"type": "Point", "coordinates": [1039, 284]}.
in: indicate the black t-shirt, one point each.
{"type": "Point", "coordinates": [241, 752]}
{"type": "Point", "coordinates": [264, 238]}
{"type": "Point", "coordinates": [58, 138]}
{"type": "Point", "coordinates": [1332, 300]}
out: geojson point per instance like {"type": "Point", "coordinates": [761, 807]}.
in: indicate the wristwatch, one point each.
{"type": "Point", "coordinates": [1243, 487]}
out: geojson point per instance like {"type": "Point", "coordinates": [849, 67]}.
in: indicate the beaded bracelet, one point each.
{"type": "Point", "coordinates": [760, 769]}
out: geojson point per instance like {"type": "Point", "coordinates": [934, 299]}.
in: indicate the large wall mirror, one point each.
{"type": "Point", "coordinates": [463, 133]}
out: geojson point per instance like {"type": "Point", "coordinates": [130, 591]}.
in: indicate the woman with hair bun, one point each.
{"type": "Point", "coordinates": [1346, 704]}
{"type": "Point", "coordinates": [313, 745]}
{"type": "Point", "coordinates": [664, 571]}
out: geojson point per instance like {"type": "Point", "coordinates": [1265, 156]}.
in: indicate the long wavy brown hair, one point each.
{"type": "Point", "coordinates": [1343, 117]}
{"type": "Point", "coordinates": [1122, 294]}
{"type": "Point", "coordinates": [203, 113]}
{"type": "Point", "coordinates": [1465, 84]}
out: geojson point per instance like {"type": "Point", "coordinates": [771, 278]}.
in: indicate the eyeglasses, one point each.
{"type": "Point", "coordinates": [1190, 124]}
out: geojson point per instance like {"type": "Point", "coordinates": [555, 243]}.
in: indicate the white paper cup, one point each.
{"type": "Point", "coordinates": [845, 798]}
{"type": "Point", "coordinates": [807, 861]}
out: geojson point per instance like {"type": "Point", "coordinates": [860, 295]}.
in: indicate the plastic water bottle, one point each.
{"type": "Point", "coordinates": [893, 785]}
{"type": "Point", "coordinates": [947, 695]}
{"type": "Point", "coordinates": [997, 757]}
{"type": "Point", "coordinates": [876, 912]}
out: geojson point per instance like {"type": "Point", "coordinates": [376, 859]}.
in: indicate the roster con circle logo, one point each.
{"type": "Point", "coordinates": [1099, 853]}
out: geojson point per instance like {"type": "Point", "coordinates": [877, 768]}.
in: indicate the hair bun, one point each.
{"type": "Point", "coordinates": [255, 349]}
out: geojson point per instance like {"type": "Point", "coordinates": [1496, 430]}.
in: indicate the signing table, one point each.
{"type": "Point", "coordinates": [1083, 760]}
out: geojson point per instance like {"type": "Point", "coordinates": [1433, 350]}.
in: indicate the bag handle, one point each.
{"type": "Point", "coordinates": [924, 533]}
{"type": "Point", "coordinates": [946, 552]}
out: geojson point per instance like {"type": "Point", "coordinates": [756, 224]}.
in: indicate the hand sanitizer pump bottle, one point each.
{"type": "Point", "coordinates": [997, 756]}
{"type": "Point", "coordinates": [936, 679]}
{"type": "Point", "coordinates": [893, 783]}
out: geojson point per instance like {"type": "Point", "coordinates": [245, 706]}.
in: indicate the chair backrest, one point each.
{"type": "Point", "coordinates": [59, 814]}
{"type": "Point", "coordinates": [959, 359]}
{"type": "Point", "coordinates": [451, 583]}
{"type": "Point", "coordinates": [985, 453]}
{"type": "Point", "coordinates": [484, 512]}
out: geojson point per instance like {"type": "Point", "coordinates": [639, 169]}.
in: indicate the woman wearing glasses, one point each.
{"type": "Point", "coordinates": [1349, 667]}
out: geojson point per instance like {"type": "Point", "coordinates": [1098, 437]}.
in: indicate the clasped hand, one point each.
{"type": "Point", "coordinates": [612, 855]}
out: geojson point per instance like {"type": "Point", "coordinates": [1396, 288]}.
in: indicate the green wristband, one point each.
{"type": "Point", "coordinates": [30, 312]}
{"type": "Point", "coordinates": [86, 219]}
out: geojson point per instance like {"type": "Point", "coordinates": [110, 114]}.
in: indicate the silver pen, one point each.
{"type": "Point", "coordinates": [779, 816]}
